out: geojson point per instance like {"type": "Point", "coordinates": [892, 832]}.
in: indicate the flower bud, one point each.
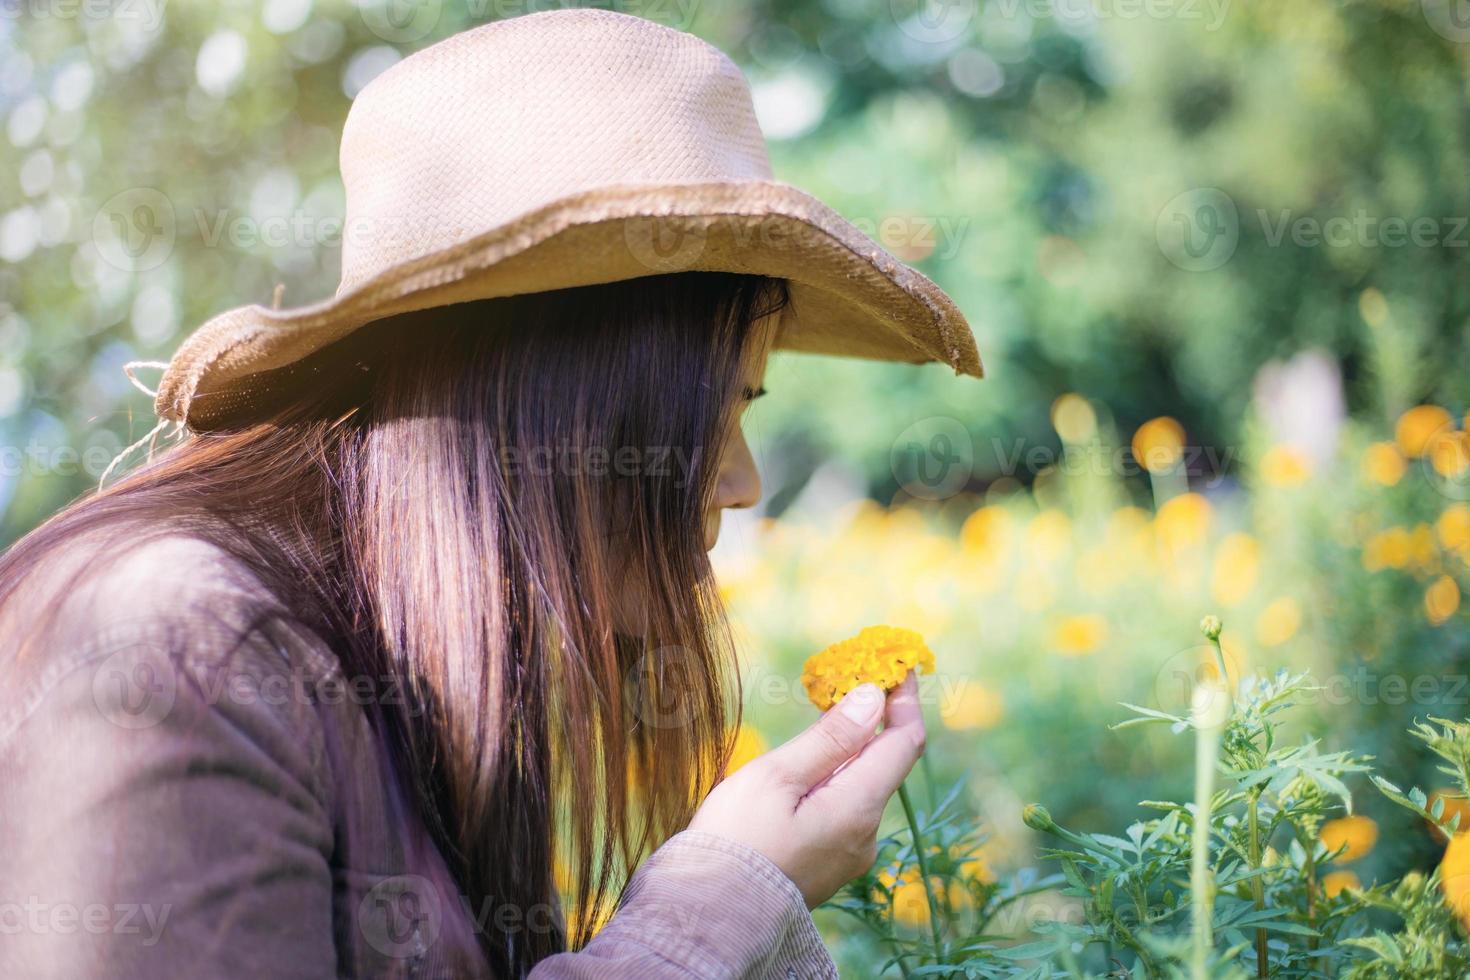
{"type": "Point", "coordinates": [1210, 626]}
{"type": "Point", "coordinates": [1037, 817]}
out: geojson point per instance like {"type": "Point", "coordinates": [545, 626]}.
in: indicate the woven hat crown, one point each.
{"type": "Point", "coordinates": [551, 151]}
{"type": "Point", "coordinates": [508, 117]}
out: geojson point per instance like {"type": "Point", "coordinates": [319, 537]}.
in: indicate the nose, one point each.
{"type": "Point", "coordinates": [739, 482]}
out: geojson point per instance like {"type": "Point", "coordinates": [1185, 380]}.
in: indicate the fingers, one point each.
{"type": "Point", "coordinates": [837, 736]}
{"type": "Point", "coordinates": [871, 778]}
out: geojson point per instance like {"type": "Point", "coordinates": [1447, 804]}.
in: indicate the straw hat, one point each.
{"type": "Point", "coordinates": [560, 149]}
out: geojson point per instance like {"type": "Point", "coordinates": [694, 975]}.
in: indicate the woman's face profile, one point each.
{"type": "Point", "coordinates": [737, 481]}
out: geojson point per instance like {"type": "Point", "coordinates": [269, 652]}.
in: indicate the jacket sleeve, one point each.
{"type": "Point", "coordinates": [153, 827]}
{"type": "Point", "coordinates": [702, 907]}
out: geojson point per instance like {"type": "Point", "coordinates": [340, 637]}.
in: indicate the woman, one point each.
{"type": "Point", "coordinates": [416, 627]}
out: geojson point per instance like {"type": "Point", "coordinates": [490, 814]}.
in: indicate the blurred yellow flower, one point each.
{"type": "Point", "coordinates": [1356, 832]}
{"type": "Point", "coordinates": [1454, 804]}
{"type": "Point", "coordinates": [748, 745]}
{"type": "Point", "coordinates": [1453, 527]}
{"type": "Point", "coordinates": [1417, 426]}
{"type": "Point", "coordinates": [1158, 445]}
{"type": "Point", "coordinates": [1237, 566]}
{"type": "Point", "coordinates": [910, 904]}
{"type": "Point", "coordinates": [1384, 464]}
{"type": "Point", "coordinates": [1073, 418]}
{"type": "Point", "coordinates": [1337, 881]}
{"type": "Point", "coordinates": [1441, 599]}
{"type": "Point", "coordinates": [882, 655]}
{"type": "Point", "coordinates": [987, 532]}
{"type": "Point", "coordinates": [1279, 622]}
{"type": "Point", "coordinates": [1389, 548]}
{"type": "Point", "coordinates": [1449, 453]}
{"type": "Point", "coordinates": [1182, 521]}
{"type": "Point", "coordinates": [975, 707]}
{"type": "Point", "coordinates": [1076, 636]}
{"type": "Point", "coordinates": [1285, 466]}
{"type": "Point", "coordinates": [1454, 876]}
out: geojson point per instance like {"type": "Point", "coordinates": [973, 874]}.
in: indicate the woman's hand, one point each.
{"type": "Point", "coordinates": [812, 805]}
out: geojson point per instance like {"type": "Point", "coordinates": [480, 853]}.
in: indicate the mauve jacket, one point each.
{"type": "Point", "coordinates": [176, 803]}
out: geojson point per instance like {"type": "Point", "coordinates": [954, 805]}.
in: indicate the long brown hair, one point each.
{"type": "Point", "coordinates": [462, 502]}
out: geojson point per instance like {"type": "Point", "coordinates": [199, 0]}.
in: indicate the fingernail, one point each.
{"type": "Point", "coordinates": [862, 703]}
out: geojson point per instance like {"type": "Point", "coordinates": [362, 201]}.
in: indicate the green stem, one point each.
{"type": "Point", "coordinates": [1258, 890]}
{"type": "Point", "coordinates": [908, 811]}
{"type": "Point", "coordinates": [1201, 881]}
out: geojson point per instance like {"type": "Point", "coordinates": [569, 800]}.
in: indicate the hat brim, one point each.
{"type": "Point", "coordinates": [849, 296]}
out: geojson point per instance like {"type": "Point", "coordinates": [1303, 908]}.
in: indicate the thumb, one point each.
{"type": "Point", "coordinates": [837, 736]}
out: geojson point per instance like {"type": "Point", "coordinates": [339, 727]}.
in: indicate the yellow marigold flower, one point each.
{"type": "Point", "coordinates": [1337, 881]}
{"type": "Point", "coordinates": [1285, 466]}
{"type": "Point", "coordinates": [1076, 636]}
{"type": "Point", "coordinates": [1384, 464]}
{"type": "Point", "coordinates": [976, 708]}
{"type": "Point", "coordinates": [748, 745]}
{"type": "Point", "coordinates": [1158, 445]}
{"type": "Point", "coordinates": [1417, 426]}
{"type": "Point", "coordinates": [1279, 622]}
{"type": "Point", "coordinates": [1441, 599]}
{"type": "Point", "coordinates": [1358, 833]}
{"type": "Point", "coordinates": [1453, 527]}
{"type": "Point", "coordinates": [882, 655]}
{"type": "Point", "coordinates": [1237, 565]}
{"type": "Point", "coordinates": [1454, 876]}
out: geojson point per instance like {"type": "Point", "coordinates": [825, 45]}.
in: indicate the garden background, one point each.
{"type": "Point", "coordinates": [1214, 252]}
